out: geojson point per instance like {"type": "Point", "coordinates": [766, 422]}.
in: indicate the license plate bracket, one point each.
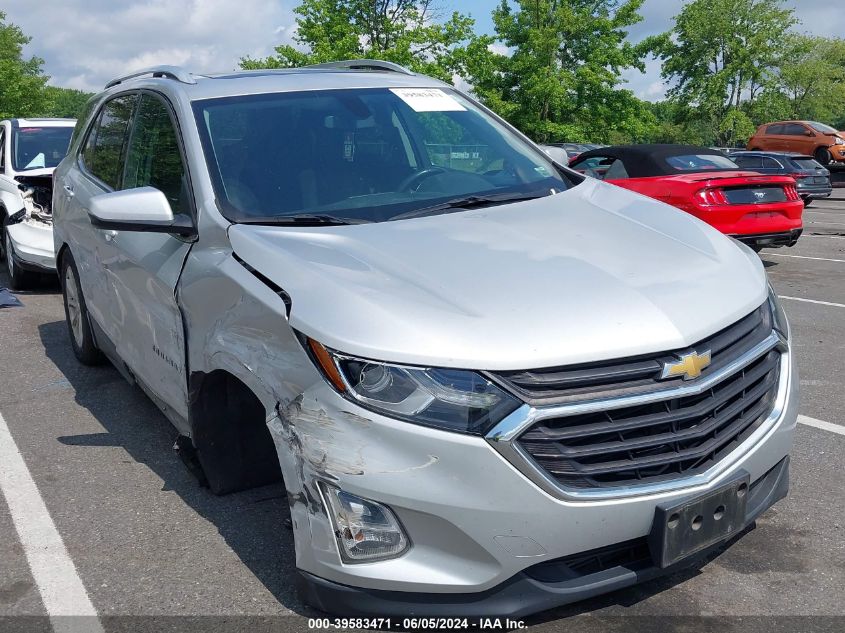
{"type": "Point", "coordinates": [682, 528]}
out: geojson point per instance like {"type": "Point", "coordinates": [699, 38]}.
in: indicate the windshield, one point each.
{"type": "Point", "coordinates": [362, 155]}
{"type": "Point", "coordinates": [39, 147]}
{"type": "Point", "coordinates": [821, 127]}
{"type": "Point", "coordinates": [700, 162]}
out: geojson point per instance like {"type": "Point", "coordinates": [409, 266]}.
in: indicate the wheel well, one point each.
{"type": "Point", "coordinates": [62, 250]}
{"type": "Point", "coordinates": [229, 428]}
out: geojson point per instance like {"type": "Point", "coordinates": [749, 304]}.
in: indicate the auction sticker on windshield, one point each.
{"type": "Point", "coordinates": [428, 99]}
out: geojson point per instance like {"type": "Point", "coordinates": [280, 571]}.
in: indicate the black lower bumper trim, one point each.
{"type": "Point", "coordinates": [786, 238]}
{"type": "Point", "coordinates": [521, 595]}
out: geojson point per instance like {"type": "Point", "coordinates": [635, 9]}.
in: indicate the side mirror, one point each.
{"type": "Point", "coordinates": [809, 133]}
{"type": "Point", "coordinates": [143, 209]}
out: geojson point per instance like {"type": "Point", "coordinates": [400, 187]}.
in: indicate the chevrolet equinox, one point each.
{"type": "Point", "coordinates": [490, 385]}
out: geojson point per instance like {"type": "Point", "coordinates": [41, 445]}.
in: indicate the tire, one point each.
{"type": "Point", "coordinates": [807, 202]}
{"type": "Point", "coordinates": [76, 315]}
{"type": "Point", "coordinates": [756, 248]}
{"type": "Point", "coordinates": [822, 155]}
{"type": "Point", "coordinates": [19, 279]}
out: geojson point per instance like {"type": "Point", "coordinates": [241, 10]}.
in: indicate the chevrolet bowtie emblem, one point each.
{"type": "Point", "coordinates": [689, 366]}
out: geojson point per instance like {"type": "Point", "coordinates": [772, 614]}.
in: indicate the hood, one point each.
{"type": "Point", "coordinates": [45, 172]}
{"type": "Point", "coordinates": [593, 273]}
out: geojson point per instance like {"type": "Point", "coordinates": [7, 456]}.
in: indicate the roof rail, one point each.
{"type": "Point", "coordinates": [363, 64]}
{"type": "Point", "coordinates": [170, 72]}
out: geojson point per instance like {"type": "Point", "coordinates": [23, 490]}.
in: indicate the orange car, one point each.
{"type": "Point", "coordinates": [821, 141]}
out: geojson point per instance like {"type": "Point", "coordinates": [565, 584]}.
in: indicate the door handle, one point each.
{"type": "Point", "coordinates": [68, 191]}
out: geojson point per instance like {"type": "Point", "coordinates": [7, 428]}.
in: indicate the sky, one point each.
{"type": "Point", "coordinates": [85, 43]}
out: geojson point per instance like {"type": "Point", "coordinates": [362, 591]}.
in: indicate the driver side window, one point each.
{"type": "Point", "coordinates": [153, 158]}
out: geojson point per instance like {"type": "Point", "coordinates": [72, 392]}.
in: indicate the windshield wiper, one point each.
{"type": "Point", "coordinates": [470, 202]}
{"type": "Point", "coordinates": [304, 219]}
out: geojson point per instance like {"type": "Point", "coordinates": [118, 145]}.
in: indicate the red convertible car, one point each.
{"type": "Point", "coordinates": [760, 210]}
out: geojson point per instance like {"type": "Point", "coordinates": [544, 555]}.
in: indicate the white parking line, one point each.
{"type": "Point", "coordinates": [824, 303]}
{"type": "Point", "coordinates": [833, 237]}
{"type": "Point", "coordinates": [60, 586]}
{"type": "Point", "coordinates": [820, 259]}
{"type": "Point", "coordinates": [821, 424]}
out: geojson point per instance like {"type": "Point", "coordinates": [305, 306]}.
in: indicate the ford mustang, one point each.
{"type": "Point", "coordinates": [760, 210]}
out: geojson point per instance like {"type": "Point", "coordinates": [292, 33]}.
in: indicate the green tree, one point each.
{"type": "Point", "coordinates": [64, 102]}
{"type": "Point", "coordinates": [409, 32]}
{"type": "Point", "coordinates": [560, 77]}
{"type": "Point", "coordinates": [722, 54]}
{"type": "Point", "coordinates": [21, 80]}
{"type": "Point", "coordinates": [812, 77]}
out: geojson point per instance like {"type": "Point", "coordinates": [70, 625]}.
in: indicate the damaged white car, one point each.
{"type": "Point", "coordinates": [491, 386]}
{"type": "Point", "coordinates": [30, 149]}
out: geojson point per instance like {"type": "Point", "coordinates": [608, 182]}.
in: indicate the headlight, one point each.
{"type": "Point", "coordinates": [451, 399]}
{"type": "Point", "coordinates": [778, 315]}
{"type": "Point", "coordinates": [838, 141]}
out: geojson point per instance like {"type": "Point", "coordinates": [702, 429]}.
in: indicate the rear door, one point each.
{"type": "Point", "coordinates": [774, 139]}
{"type": "Point", "coordinates": [799, 138]}
{"type": "Point", "coordinates": [146, 322]}
{"type": "Point", "coordinates": [99, 166]}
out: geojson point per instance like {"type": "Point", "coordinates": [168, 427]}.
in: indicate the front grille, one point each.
{"type": "Point", "coordinates": [657, 441]}
{"type": "Point", "coordinates": [641, 374]}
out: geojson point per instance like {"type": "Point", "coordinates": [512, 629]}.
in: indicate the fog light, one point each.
{"type": "Point", "coordinates": [366, 531]}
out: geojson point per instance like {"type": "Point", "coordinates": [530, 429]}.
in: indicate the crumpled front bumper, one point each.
{"type": "Point", "coordinates": [33, 246]}
{"type": "Point", "coordinates": [538, 588]}
{"type": "Point", "coordinates": [479, 528]}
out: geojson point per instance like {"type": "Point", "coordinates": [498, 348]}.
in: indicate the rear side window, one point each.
{"type": "Point", "coordinates": [807, 163]}
{"type": "Point", "coordinates": [749, 162]}
{"type": "Point", "coordinates": [700, 162]}
{"type": "Point", "coordinates": [794, 129]}
{"type": "Point", "coordinates": [153, 158]}
{"type": "Point", "coordinates": [103, 153]}
{"type": "Point", "coordinates": [777, 128]}
{"type": "Point", "coordinates": [83, 119]}
{"type": "Point", "coordinates": [771, 163]}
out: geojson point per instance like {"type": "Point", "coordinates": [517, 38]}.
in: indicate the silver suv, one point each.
{"type": "Point", "coordinates": [490, 385]}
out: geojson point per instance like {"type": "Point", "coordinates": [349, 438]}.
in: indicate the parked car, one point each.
{"type": "Point", "coordinates": [491, 389]}
{"type": "Point", "coordinates": [762, 211]}
{"type": "Point", "coordinates": [811, 179]}
{"type": "Point", "coordinates": [29, 151]}
{"type": "Point", "coordinates": [809, 138]}
{"type": "Point", "coordinates": [572, 149]}
{"type": "Point", "coordinates": [557, 154]}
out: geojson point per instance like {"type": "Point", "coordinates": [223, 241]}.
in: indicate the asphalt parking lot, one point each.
{"type": "Point", "coordinates": [154, 551]}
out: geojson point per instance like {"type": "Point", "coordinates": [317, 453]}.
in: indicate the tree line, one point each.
{"type": "Point", "coordinates": [553, 68]}
{"type": "Point", "coordinates": [23, 85]}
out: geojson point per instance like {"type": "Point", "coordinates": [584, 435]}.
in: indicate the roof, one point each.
{"type": "Point", "coordinates": [208, 86]}
{"type": "Point", "coordinates": [760, 152]}
{"type": "Point", "coordinates": [42, 122]}
{"type": "Point", "coordinates": [642, 161]}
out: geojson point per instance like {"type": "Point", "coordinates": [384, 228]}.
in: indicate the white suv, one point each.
{"type": "Point", "coordinates": [29, 151]}
{"type": "Point", "coordinates": [491, 386]}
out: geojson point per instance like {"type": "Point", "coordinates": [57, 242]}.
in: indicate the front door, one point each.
{"type": "Point", "coordinates": [146, 320]}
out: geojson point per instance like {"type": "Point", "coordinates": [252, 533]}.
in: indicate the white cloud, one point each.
{"type": "Point", "coordinates": [498, 48]}
{"type": "Point", "coordinates": [85, 43]}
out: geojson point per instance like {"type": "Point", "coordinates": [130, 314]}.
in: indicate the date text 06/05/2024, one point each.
{"type": "Point", "coordinates": [412, 623]}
